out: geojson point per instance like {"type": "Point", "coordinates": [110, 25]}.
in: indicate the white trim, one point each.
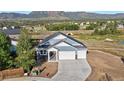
{"type": "Point", "coordinates": [52, 49]}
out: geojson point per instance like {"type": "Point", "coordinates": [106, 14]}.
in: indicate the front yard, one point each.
{"type": "Point", "coordinates": [48, 69]}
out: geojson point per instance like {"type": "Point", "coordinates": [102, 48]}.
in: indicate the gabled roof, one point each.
{"type": "Point", "coordinates": [58, 33]}
{"type": "Point", "coordinates": [61, 47]}
{"type": "Point", "coordinates": [58, 43]}
{"type": "Point", "coordinates": [51, 36]}
{"type": "Point", "coordinates": [66, 48]}
{"type": "Point", "coordinates": [75, 40]}
{"type": "Point", "coordinates": [11, 31]}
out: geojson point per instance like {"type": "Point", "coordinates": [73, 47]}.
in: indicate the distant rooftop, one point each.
{"type": "Point", "coordinates": [11, 31]}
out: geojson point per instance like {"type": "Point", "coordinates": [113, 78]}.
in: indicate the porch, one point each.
{"type": "Point", "coordinates": [46, 55]}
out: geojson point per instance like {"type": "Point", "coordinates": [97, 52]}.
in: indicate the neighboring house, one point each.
{"type": "Point", "coordinates": [14, 42]}
{"type": "Point", "coordinates": [83, 25]}
{"type": "Point", "coordinates": [87, 23]}
{"type": "Point", "coordinates": [120, 26]}
{"type": "Point", "coordinates": [4, 28]}
{"type": "Point", "coordinates": [11, 31]}
{"type": "Point", "coordinates": [59, 46]}
{"type": "Point", "coordinates": [108, 21]}
{"type": "Point", "coordinates": [13, 34]}
{"type": "Point", "coordinates": [12, 27]}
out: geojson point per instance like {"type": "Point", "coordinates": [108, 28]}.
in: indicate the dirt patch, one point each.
{"type": "Point", "coordinates": [48, 69]}
{"type": "Point", "coordinates": [105, 66]}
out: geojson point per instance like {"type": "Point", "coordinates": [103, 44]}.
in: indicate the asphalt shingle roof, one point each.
{"type": "Point", "coordinates": [11, 31]}
{"type": "Point", "coordinates": [66, 48]}
{"type": "Point", "coordinates": [57, 33]}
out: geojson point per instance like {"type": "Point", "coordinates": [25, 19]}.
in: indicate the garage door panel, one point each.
{"type": "Point", "coordinates": [81, 54]}
{"type": "Point", "coordinates": [66, 55]}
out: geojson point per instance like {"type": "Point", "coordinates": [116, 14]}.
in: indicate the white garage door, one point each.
{"type": "Point", "coordinates": [81, 54]}
{"type": "Point", "coordinates": [66, 55]}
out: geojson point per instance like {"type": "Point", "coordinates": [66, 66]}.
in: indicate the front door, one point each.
{"type": "Point", "coordinates": [52, 56]}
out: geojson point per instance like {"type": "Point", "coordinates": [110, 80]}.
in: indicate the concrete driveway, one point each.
{"type": "Point", "coordinates": [72, 70]}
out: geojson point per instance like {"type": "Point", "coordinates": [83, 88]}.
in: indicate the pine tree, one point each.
{"type": "Point", "coordinates": [4, 51]}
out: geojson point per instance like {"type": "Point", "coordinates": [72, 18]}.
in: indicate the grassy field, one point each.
{"type": "Point", "coordinates": [98, 42]}
{"type": "Point", "coordinates": [115, 37]}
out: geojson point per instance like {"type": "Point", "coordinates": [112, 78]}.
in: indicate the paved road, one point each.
{"type": "Point", "coordinates": [72, 70]}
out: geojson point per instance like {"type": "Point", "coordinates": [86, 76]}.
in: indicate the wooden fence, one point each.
{"type": "Point", "coordinates": [11, 73]}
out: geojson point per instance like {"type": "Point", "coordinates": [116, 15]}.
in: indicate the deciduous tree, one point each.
{"type": "Point", "coordinates": [25, 52]}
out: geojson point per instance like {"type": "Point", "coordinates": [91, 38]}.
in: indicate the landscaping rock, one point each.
{"type": "Point", "coordinates": [109, 40]}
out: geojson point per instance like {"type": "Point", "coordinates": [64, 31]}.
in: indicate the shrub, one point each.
{"type": "Point", "coordinates": [110, 28]}
{"type": "Point", "coordinates": [62, 26]}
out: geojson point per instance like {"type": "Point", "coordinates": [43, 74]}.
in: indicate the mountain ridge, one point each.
{"type": "Point", "coordinates": [61, 14]}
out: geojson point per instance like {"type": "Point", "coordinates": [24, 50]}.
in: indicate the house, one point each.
{"type": "Point", "coordinates": [60, 46]}
{"type": "Point", "coordinates": [14, 41]}
{"type": "Point", "coordinates": [4, 28]}
{"type": "Point", "coordinates": [12, 27]}
{"type": "Point", "coordinates": [11, 31]}
{"type": "Point", "coordinates": [108, 21]}
{"type": "Point", "coordinates": [13, 34]}
{"type": "Point", "coordinates": [120, 26]}
{"type": "Point", "coordinates": [87, 23]}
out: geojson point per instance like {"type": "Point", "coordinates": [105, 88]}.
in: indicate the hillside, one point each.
{"type": "Point", "coordinates": [60, 15]}
{"type": "Point", "coordinates": [12, 15]}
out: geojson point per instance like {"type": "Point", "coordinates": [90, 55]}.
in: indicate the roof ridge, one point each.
{"type": "Point", "coordinates": [74, 39]}
{"type": "Point", "coordinates": [63, 40]}
{"type": "Point", "coordinates": [57, 33]}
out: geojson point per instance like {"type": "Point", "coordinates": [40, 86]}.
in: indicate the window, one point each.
{"type": "Point", "coordinates": [43, 52]}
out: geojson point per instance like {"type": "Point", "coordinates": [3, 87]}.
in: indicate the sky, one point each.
{"type": "Point", "coordinates": [62, 5]}
{"type": "Point", "coordinates": [109, 12]}
{"type": "Point", "coordinates": [24, 12]}
{"type": "Point", "coordinates": [99, 12]}
{"type": "Point", "coordinates": [96, 6]}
